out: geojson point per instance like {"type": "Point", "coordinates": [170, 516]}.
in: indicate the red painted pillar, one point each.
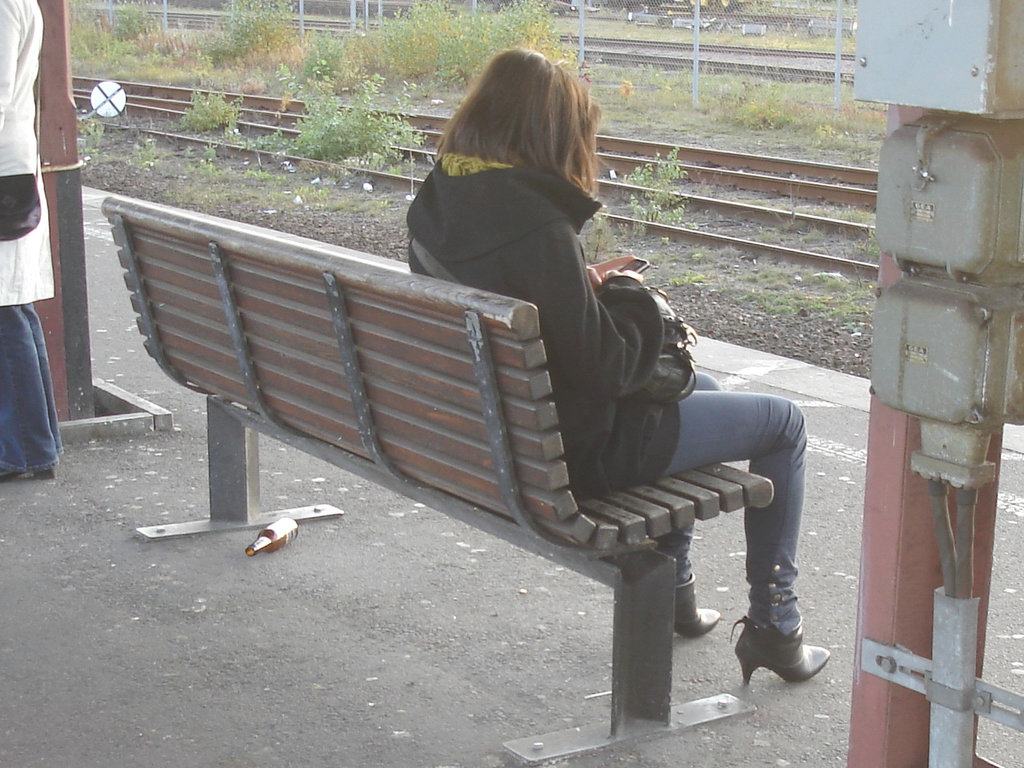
{"type": "Point", "coordinates": [65, 317]}
{"type": "Point", "coordinates": [899, 573]}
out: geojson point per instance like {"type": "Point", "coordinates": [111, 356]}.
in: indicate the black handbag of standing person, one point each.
{"type": "Point", "coordinates": [19, 205]}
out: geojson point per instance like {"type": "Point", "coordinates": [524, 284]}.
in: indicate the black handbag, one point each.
{"type": "Point", "coordinates": [674, 376]}
{"type": "Point", "coordinates": [20, 209]}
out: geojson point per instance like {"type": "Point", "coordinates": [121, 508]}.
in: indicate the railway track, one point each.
{"type": "Point", "coordinates": [775, 64]}
{"type": "Point", "coordinates": [786, 179]}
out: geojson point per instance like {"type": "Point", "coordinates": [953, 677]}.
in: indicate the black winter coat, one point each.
{"type": "Point", "coordinates": [515, 232]}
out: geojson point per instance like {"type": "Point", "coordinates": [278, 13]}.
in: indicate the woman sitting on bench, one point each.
{"type": "Point", "coordinates": [502, 211]}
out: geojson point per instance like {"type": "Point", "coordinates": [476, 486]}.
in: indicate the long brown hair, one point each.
{"type": "Point", "coordinates": [527, 111]}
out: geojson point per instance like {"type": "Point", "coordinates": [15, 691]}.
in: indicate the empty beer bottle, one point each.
{"type": "Point", "coordinates": [274, 536]}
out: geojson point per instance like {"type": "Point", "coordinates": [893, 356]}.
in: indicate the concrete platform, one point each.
{"type": "Point", "coordinates": [393, 635]}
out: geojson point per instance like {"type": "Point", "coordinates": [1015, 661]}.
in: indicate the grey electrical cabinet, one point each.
{"type": "Point", "coordinates": [950, 196]}
{"type": "Point", "coordinates": [950, 352]}
{"type": "Point", "coordinates": [953, 55]}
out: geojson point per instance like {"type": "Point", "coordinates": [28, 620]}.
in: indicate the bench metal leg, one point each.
{"type": "Point", "coordinates": [642, 639]}
{"type": "Point", "coordinates": [233, 454]}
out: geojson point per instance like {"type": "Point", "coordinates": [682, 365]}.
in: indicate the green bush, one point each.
{"type": "Point", "coordinates": [358, 132]}
{"type": "Point", "coordinates": [660, 202]}
{"type": "Point", "coordinates": [256, 29]}
{"type": "Point", "coordinates": [210, 112]}
{"type": "Point", "coordinates": [132, 22]}
{"type": "Point", "coordinates": [325, 61]}
{"type": "Point", "coordinates": [441, 42]}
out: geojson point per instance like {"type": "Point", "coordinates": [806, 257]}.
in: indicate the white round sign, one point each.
{"type": "Point", "coordinates": [108, 99]}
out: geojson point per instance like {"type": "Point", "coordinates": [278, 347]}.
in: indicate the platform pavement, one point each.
{"type": "Point", "coordinates": [393, 636]}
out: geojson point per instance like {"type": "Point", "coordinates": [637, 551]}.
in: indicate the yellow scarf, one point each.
{"type": "Point", "coordinates": [461, 165]}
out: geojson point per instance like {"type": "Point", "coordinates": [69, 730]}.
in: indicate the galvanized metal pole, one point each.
{"type": "Point", "coordinates": [583, 25]}
{"type": "Point", "coordinates": [696, 52]}
{"type": "Point", "coordinates": [954, 662]}
{"type": "Point", "coordinates": [839, 53]}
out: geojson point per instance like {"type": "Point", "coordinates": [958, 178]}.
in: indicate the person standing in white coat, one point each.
{"type": "Point", "coordinates": [29, 434]}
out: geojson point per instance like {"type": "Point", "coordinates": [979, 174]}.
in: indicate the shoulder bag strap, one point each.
{"type": "Point", "coordinates": [434, 267]}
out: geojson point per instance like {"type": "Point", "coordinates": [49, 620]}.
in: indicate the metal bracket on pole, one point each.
{"type": "Point", "coordinates": [901, 667]}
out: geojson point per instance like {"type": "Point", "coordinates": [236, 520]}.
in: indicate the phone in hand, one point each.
{"type": "Point", "coordinates": [622, 264]}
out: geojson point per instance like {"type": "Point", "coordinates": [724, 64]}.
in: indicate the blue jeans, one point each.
{"type": "Point", "coordinates": [716, 425]}
{"type": "Point", "coordinates": [29, 432]}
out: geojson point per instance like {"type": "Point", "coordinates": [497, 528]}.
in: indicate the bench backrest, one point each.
{"type": "Point", "coordinates": [356, 351]}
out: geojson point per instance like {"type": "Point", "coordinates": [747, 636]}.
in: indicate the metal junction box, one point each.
{"type": "Point", "coordinates": [950, 352]}
{"type": "Point", "coordinates": [950, 196]}
{"type": "Point", "coordinates": [954, 55]}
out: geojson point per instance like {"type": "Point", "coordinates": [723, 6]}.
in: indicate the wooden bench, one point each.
{"type": "Point", "coordinates": [435, 390]}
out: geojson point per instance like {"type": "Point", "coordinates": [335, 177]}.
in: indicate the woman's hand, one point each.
{"type": "Point", "coordinates": [628, 266]}
{"type": "Point", "coordinates": [598, 277]}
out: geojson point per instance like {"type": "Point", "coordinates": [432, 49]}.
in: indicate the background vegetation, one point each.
{"type": "Point", "coordinates": [423, 59]}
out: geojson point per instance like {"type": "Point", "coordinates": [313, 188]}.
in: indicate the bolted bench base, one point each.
{"type": "Point", "coordinates": [210, 525]}
{"type": "Point", "coordinates": [576, 741]}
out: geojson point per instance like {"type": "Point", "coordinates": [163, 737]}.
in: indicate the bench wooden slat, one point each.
{"type": "Point", "coordinates": [730, 495]}
{"type": "Point", "coordinates": [539, 415]}
{"type": "Point", "coordinates": [194, 330]}
{"type": "Point", "coordinates": [410, 354]}
{"type": "Point", "coordinates": [758, 491]}
{"type": "Point", "coordinates": [368, 315]}
{"type": "Point", "coordinates": [522, 407]}
{"type": "Point", "coordinates": [164, 296]}
{"type": "Point", "coordinates": [200, 365]}
{"type": "Point", "coordinates": [478, 490]}
{"type": "Point", "coordinates": [681, 509]}
{"type": "Point", "coordinates": [275, 250]}
{"type": "Point", "coordinates": [185, 284]}
{"type": "Point", "coordinates": [659, 519]}
{"type": "Point", "coordinates": [461, 430]}
{"type": "Point", "coordinates": [207, 379]}
{"type": "Point", "coordinates": [705, 502]}
{"type": "Point", "coordinates": [192, 273]}
{"type": "Point", "coordinates": [375, 311]}
{"type": "Point", "coordinates": [462, 482]}
{"type": "Point", "coordinates": [632, 527]}
{"type": "Point", "coordinates": [605, 536]}
{"type": "Point", "coordinates": [577, 528]}
{"type": "Point", "coordinates": [432, 458]}
{"type": "Point", "coordinates": [399, 410]}
{"type": "Point", "coordinates": [370, 311]}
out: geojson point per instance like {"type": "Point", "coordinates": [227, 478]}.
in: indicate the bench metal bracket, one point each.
{"type": "Point", "coordinates": [233, 454]}
{"type": "Point", "coordinates": [354, 375]}
{"type": "Point", "coordinates": [233, 317]}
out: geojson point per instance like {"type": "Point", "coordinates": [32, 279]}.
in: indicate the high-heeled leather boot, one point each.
{"type": "Point", "coordinates": [785, 655]}
{"type": "Point", "coordinates": [692, 621]}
